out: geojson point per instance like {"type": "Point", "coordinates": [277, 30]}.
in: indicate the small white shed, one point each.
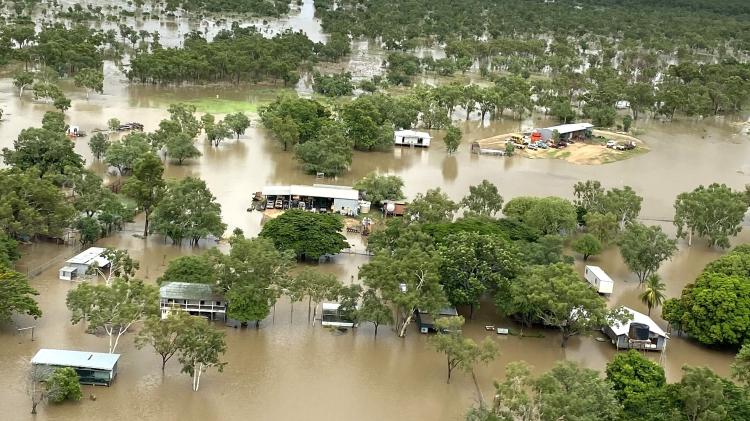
{"type": "Point", "coordinates": [599, 279]}
{"type": "Point", "coordinates": [411, 138]}
{"type": "Point", "coordinates": [79, 264]}
{"type": "Point", "coordinates": [332, 316]}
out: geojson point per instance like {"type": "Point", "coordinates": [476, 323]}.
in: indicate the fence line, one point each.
{"type": "Point", "coordinates": [32, 272]}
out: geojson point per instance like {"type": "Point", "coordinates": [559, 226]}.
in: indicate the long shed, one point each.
{"type": "Point", "coordinates": [340, 199]}
{"type": "Point", "coordinates": [95, 368]}
{"type": "Point", "coordinates": [567, 131]}
{"type": "Point", "coordinates": [411, 138]}
{"type": "Point", "coordinates": [79, 264]}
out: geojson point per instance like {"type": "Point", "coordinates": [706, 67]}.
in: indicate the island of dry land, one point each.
{"type": "Point", "coordinates": [592, 151]}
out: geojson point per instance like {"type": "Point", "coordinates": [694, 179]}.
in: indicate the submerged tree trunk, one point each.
{"type": "Point", "coordinates": [402, 331]}
{"type": "Point", "coordinates": [145, 226]}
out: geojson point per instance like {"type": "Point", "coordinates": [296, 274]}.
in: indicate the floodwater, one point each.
{"type": "Point", "coordinates": [291, 370]}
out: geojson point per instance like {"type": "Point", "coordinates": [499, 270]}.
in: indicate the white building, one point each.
{"type": "Point", "coordinates": [322, 197]}
{"type": "Point", "coordinates": [332, 317]}
{"type": "Point", "coordinates": [411, 138]}
{"type": "Point", "coordinates": [641, 332]}
{"type": "Point", "coordinates": [599, 279]}
{"type": "Point", "coordinates": [196, 299]}
{"type": "Point", "coordinates": [566, 131]}
{"type": "Point", "coordinates": [79, 264]}
{"type": "Point", "coordinates": [92, 367]}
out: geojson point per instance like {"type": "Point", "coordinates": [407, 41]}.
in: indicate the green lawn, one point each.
{"type": "Point", "coordinates": [224, 106]}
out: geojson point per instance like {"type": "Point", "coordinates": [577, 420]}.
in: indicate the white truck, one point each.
{"type": "Point", "coordinates": [599, 279]}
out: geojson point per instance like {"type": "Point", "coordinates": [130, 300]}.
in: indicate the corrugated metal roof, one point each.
{"type": "Point", "coordinates": [316, 190]}
{"type": "Point", "coordinates": [188, 291]}
{"type": "Point", "coordinates": [623, 329]}
{"type": "Point", "coordinates": [88, 256]}
{"type": "Point", "coordinates": [569, 128]}
{"type": "Point", "coordinates": [411, 133]}
{"type": "Point", "coordinates": [83, 359]}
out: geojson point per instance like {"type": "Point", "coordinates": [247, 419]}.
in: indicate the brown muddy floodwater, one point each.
{"type": "Point", "coordinates": [290, 370]}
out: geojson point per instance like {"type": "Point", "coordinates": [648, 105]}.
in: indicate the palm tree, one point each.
{"type": "Point", "coordinates": [653, 295]}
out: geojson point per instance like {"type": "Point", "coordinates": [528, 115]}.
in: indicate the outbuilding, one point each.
{"type": "Point", "coordinates": [196, 299]}
{"type": "Point", "coordinates": [641, 332]}
{"type": "Point", "coordinates": [79, 264]}
{"type": "Point", "coordinates": [426, 320]}
{"type": "Point", "coordinates": [92, 367]}
{"type": "Point", "coordinates": [318, 197]}
{"type": "Point", "coordinates": [567, 131]}
{"type": "Point", "coordinates": [599, 279]}
{"type": "Point", "coordinates": [411, 138]}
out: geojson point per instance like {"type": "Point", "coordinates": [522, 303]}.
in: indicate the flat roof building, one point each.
{"type": "Point", "coordinates": [92, 367]}
{"type": "Point", "coordinates": [322, 197]}
{"type": "Point", "coordinates": [411, 138]}
{"type": "Point", "coordinates": [79, 264]}
{"type": "Point", "coordinates": [196, 299]}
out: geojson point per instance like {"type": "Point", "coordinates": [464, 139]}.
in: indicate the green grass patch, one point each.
{"type": "Point", "coordinates": [614, 156]}
{"type": "Point", "coordinates": [224, 106]}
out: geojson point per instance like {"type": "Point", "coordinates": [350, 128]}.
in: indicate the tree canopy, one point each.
{"type": "Point", "coordinates": [187, 209]}
{"type": "Point", "coordinates": [309, 235]}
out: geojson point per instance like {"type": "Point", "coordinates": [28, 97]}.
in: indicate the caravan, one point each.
{"type": "Point", "coordinates": [599, 279]}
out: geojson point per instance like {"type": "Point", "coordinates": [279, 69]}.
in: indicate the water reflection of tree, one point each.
{"type": "Point", "coordinates": [450, 168]}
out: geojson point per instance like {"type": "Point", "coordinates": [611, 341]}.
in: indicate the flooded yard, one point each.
{"type": "Point", "coordinates": [289, 367]}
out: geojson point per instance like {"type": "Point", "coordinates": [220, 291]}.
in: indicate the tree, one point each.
{"type": "Point", "coordinates": [548, 215]}
{"type": "Point", "coordinates": [61, 103]}
{"type": "Point", "coordinates": [192, 269]}
{"type": "Point", "coordinates": [218, 132]}
{"type": "Point", "coordinates": [308, 235]}
{"type": "Point", "coordinates": [603, 226]}
{"type": "Point", "coordinates": [571, 392]}
{"type": "Point", "coordinates": [653, 294]}
{"type": "Point", "coordinates": [113, 124]}
{"type": "Point", "coordinates": [627, 121]}
{"type": "Point", "coordinates": [741, 365]}
{"type": "Point", "coordinates": [237, 122]}
{"type": "Point", "coordinates": [510, 149]}
{"type": "Point", "coordinates": [181, 147]}
{"type": "Point", "coordinates": [566, 392]}
{"type": "Point", "coordinates": [623, 203]}
{"type": "Point", "coordinates": [374, 310]}
{"type": "Point", "coordinates": [121, 265]}
{"type": "Point", "coordinates": [124, 154]}
{"type": "Point", "coordinates": [317, 286]}
{"type": "Point", "coordinates": [166, 335]}
{"type": "Point", "coordinates": [587, 245]}
{"type": "Point", "coordinates": [187, 209]}
{"type": "Point", "coordinates": [54, 121]}
{"type": "Point", "coordinates": [473, 264]}
{"type": "Point", "coordinates": [644, 248]}
{"type": "Point", "coordinates": [91, 79]}
{"type": "Point", "coordinates": [31, 206]}
{"type": "Point", "coordinates": [700, 394]}
{"type": "Point", "coordinates": [432, 207]}
{"type": "Point", "coordinates": [379, 188]}
{"type": "Point", "coordinates": [16, 296]}
{"type": "Point", "coordinates": [452, 139]}
{"type": "Point", "coordinates": [409, 279]}
{"type": "Point", "coordinates": [286, 131]}
{"type": "Point", "coordinates": [99, 145]}
{"type": "Point", "coordinates": [483, 199]}
{"type": "Point", "coordinates": [459, 351]}
{"type": "Point", "coordinates": [23, 80]}
{"type": "Point", "coordinates": [47, 151]}
{"type": "Point", "coordinates": [9, 253]}
{"type": "Point", "coordinates": [35, 385]}
{"type": "Point", "coordinates": [632, 374]}
{"type": "Point", "coordinates": [113, 308]}
{"type": "Point", "coordinates": [589, 195]}
{"type": "Point", "coordinates": [714, 212]}
{"type": "Point", "coordinates": [201, 348]}
{"type": "Point", "coordinates": [146, 186]}
{"type": "Point", "coordinates": [330, 154]}
{"type": "Point", "coordinates": [555, 296]}
{"type": "Point", "coordinates": [63, 385]}
{"type": "Point", "coordinates": [251, 276]}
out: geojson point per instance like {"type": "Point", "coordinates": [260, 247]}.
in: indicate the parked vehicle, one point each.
{"type": "Point", "coordinates": [279, 204]}
{"type": "Point", "coordinates": [625, 146]}
{"type": "Point", "coordinates": [532, 147]}
{"type": "Point", "coordinates": [130, 126]}
{"type": "Point", "coordinates": [541, 145]}
{"type": "Point", "coordinates": [611, 144]}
